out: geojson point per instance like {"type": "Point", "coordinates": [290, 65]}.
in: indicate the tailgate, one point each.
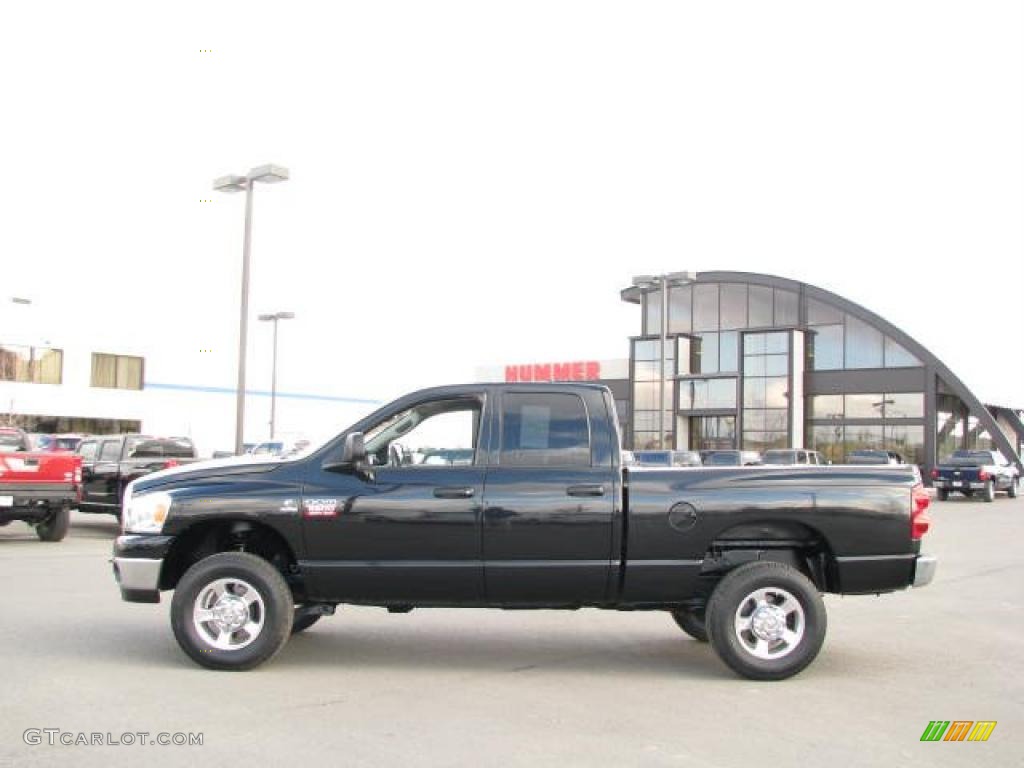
{"type": "Point", "coordinates": [40, 468]}
{"type": "Point", "coordinates": [962, 474]}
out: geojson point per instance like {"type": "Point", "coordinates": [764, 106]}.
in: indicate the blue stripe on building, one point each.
{"type": "Point", "coordinates": [260, 393]}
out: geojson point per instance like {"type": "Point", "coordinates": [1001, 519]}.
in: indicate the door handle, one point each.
{"type": "Point", "coordinates": [448, 492]}
{"type": "Point", "coordinates": [586, 489]}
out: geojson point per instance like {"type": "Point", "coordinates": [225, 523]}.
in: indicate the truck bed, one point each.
{"type": "Point", "coordinates": [681, 520]}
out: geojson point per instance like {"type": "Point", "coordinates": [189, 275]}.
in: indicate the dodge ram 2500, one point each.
{"type": "Point", "coordinates": [542, 514]}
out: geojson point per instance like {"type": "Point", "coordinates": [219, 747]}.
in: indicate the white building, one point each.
{"type": "Point", "coordinates": [52, 388]}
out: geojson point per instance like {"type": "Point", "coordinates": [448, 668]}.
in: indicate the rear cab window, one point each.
{"type": "Point", "coordinates": [544, 429]}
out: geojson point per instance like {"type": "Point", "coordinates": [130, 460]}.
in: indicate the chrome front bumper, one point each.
{"type": "Point", "coordinates": [139, 578]}
{"type": "Point", "coordinates": [924, 570]}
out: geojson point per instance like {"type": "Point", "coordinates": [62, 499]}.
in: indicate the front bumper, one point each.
{"type": "Point", "coordinates": [138, 561]}
{"type": "Point", "coordinates": [924, 570]}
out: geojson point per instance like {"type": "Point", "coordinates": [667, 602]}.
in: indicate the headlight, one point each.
{"type": "Point", "coordinates": [146, 513]}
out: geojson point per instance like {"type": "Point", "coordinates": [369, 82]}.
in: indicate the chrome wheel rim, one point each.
{"type": "Point", "coordinates": [228, 614]}
{"type": "Point", "coordinates": [770, 623]}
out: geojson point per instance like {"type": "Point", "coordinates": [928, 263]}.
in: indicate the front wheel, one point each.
{"type": "Point", "coordinates": [55, 527]}
{"type": "Point", "coordinates": [232, 611]}
{"type": "Point", "coordinates": [691, 621]}
{"type": "Point", "coordinates": [766, 620]}
{"type": "Point", "coordinates": [1012, 490]}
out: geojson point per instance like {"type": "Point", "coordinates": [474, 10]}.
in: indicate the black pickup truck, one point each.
{"type": "Point", "coordinates": [543, 516]}
{"type": "Point", "coordinates": [110, 462]}
{"type": "Point", "coordinates": [970, 472]}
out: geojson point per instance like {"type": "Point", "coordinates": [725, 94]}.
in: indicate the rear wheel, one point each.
{"type": "Point", "coordinates": [232, 611]}
{"type": "Point", "coordinates": [989, 494]}
{"type": "Point", "coordinates": [766, 620]}
{"type": "Point", "coordinates": [942, 494]}
{"type": "Point", "coordinates": [691, 621]}
{"type": "Point", "coordinates": [1012, 490]}
{"type": "Point", "coordinates": [55, 527]}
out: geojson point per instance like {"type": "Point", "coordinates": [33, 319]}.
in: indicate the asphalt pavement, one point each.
{"type": "Point", "coordinates": [524, 688]}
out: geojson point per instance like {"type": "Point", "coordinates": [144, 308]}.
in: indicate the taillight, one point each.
{"type": "Point", "coordinates": [983, 475]}
{"type": "Point", "coordinates": [935, 473]}
{"type": "Point", "coordinates": [920, 522]}
{"type": "Point", "coordinates": [170, 463]}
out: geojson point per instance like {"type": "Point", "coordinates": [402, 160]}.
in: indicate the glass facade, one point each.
{"type": "Point", "coordinates": [646, 387]}
{"type": "Point", "coordinates": [765, 391]}
{"type": "Point", "coordinates": [746, 351]}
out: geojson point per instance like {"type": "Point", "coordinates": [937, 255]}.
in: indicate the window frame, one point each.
{"type": "Point", "coordinates": [478, 401]}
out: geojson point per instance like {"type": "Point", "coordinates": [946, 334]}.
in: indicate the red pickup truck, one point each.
{"type": "Point", "coordinates": [38, 488]}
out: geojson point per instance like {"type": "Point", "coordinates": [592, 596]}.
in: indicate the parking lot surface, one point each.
{"type": "Point", "coordinates": [483, 687]}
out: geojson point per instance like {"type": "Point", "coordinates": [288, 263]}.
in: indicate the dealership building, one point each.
{"type": "Point", "coordinates": [755, 361]}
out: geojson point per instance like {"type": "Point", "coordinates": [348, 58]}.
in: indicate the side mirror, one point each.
{"type": "Point", "coordinates": [354, 451]}
{"type": "Point", "coordinates": [353, 456]}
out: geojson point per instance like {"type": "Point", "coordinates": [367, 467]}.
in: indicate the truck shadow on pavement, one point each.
{"type": "Point", "coordinates": [659, 657]}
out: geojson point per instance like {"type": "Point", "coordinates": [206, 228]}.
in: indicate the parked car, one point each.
{"type": "Point", "coordinates": [14, 440]}
{"type": "Point", "coordinates": [667, 458]}
{"type": "Point", "coordinates": [726, 458]}
{"type": "Point", "coordinates": [110, 462]}
{"type": "Point", "coordinates": [787, 456]}
{"type": "Point", "coordinates": [255, 551]}
{"type": "Point", "coordinates": [629, 459]}
{"type": "Point", "coordinates": [866, 456]}
{"type": "Point", "coordinates": [37, 488]}
{"type": "Point", "coordinates": [66, 442]}
{"type": "Point", "coordinates": [988, 472]}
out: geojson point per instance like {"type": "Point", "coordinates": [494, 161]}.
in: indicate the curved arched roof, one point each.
{"type": "Point", "coordinates": [933, 365]}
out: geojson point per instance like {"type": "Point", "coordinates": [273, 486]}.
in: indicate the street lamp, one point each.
{"type": "Point", "coordinates": [273, 375]}
{"type": "Point", "coordinates": [647, 284]}
{"type": "Point", "coordinates": [268, 174]}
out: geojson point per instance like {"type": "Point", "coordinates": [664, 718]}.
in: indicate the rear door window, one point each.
{"type": "Point", "coordinates": [542, 429]}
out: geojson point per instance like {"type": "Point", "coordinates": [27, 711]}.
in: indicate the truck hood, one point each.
{"type": "Point", "coordinates": [207, 470]}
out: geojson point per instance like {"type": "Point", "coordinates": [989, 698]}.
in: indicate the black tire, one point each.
{"type": "Point", "coordinates": [275, 610]}
{"type": "Point", "coordinates": [691, 621]}
{"type": "Point", "coordinates": [735, 592]}
{"type": "Point", "coordinates": [942, 494]}
{"type": "Point", "coordinates": [1012, 490]}
{"type": "Point", "coordinates": [55, 527]}
{"type": "Point", "coordinates": [302, 623]}
{"type": "Point", "coordinates": [989, 495]}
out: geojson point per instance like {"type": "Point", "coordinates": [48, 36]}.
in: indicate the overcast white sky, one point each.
{"type": "Point", "coordinates": [473, 182]}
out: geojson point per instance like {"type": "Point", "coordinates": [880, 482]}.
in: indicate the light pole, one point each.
{"type": "Point", "coordinates": [648, 284]}
{"type": "Point", "coordinates": [274, 317]}
{"type": "Point", "coordinates": [267, 174]}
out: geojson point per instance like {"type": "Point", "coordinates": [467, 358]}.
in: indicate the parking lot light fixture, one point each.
{"type": "Point", "coordinates": [267, 174]}
{"type": "Point", "coordinates": [274, 318]}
